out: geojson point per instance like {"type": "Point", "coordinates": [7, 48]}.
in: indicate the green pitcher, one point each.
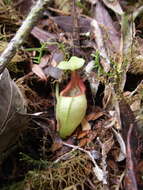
{"type": "Point", "coordinates": [71, 106]}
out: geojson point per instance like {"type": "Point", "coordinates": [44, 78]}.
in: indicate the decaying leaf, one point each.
{"type": "Point", "coordinates": [114, 5]}
{"type": "Point", "coordinates": [136, 105]}
{"type": "Point", "coordinates": [92, 77]}
{"type": "Point", "coordinates": [23, 5]}
{"type": "Point", "coordinates": [94, 115]}
{"type": "Point", "coordinates": [130, 179]}
{"type": "Point", "coordinates": [130, 135]}
{"type": "Point", "coordinates": [12, 105]}
{"type": "Point", "coordinates": [111, 36]}
{"type": "Point", "coordinates": [57, 144]}
{"type": "Point", "coordinates": [57, 57]}
{"type": "Point", "coordinates": [86, 137]}
{"type": "Point", "coordinates": [85, 125]}
{"type": "Point", "coordinates": [110, 102]}
{"type": "Point", "coordinates": [42, 35]}
{"type": "Point", "coordinates": [53, 72]}
{"type": "Point", "coordinates": [63, 5]}
{"type": "Point", "coordinates": [38, 71]}
{"type": "Point", "coordinates": [96, 30]}
{"type": "Point", "coordinates": [84, 141]}
{"type": "Point", "coordinates": [65, 22]}
{"type": "Point", "coordinates": [82, 134]}
{"type": "Point", "coordinates": [106, 146]}
{"type": "Point", "coordinates": [121, 142]}
{"type": "Point", "coordinates": [44, 61]}
{"type": "Point", "coordinates": [127, 36]}
{"type": "Point", "coordinates": [107, 100]}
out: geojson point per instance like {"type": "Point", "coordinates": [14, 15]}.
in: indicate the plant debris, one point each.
{"type": "Point", "coordinates": [103, 40]}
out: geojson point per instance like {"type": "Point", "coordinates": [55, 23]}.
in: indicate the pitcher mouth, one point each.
{"type": "Point", "coordinates": [75, 86]}
{"type": "Point", "coordinates": [72, 96]}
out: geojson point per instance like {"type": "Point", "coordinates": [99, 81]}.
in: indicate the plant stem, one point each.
{"type": "Point", "coordinates": [22, 33]}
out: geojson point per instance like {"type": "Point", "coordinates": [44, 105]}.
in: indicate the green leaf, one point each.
{"type": "Point", "coordinates": [76, 63]}
{"type": "Point", "coordinates": [73, 64]}
{"type": "Point", "coordinates": [63, 65]}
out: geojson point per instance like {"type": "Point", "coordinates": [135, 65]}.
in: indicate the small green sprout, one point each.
{"type": "Point", "coordinates": [39, 52]}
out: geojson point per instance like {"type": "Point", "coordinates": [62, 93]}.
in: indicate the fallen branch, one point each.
{"type": "Point", "coordinates": [22, 33]}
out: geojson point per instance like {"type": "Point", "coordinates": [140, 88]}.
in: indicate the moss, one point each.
{"type": "Point", "coordinates": [73, 171]}
{"type": "Point", "coordinates": [14, 186]}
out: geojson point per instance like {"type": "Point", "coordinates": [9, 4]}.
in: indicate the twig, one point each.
{"type": "Point", "coordinates": [22, 33]}
{"type": "Point", "coordinates": [64, 156]}
{"type": "Point", "coordinates": [130, 178]}
{"type": "Point", "coordinates": [137, 89]}
{"type": "Point", "coordinates": [104, 164]}
{"type": "Point", "coordinates": [137, 12]}
{"type": "Point", "coordinates": [75, 32]}
{"type": "Point", "coordinates": [120, 181]}
{"type": "Point", "coordinates": [97, 171]}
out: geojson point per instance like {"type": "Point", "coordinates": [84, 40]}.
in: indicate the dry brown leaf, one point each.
{"type": "Point", "coordinates": [65, 22]}
{"type": "Point", "coordinates": [113, 165]}
{"type": "Point", "coordinates": [85, 125]}
{"type": "Point", "coordinates": [84, 142]}
{"type": "Point", "coordinates": [23, 6]}
{"type": "Point", "coordinates": [111, 35]}
{"type": "Point", "coordinates": [53, 72]}
{"type": "Point", "coordinates": [130, 176]}
{"type": "Point", "coordinates": [38, 71]}
{"type": "Point", "coordinates": [92, 77]}
{"type": "Point", "coordinates": [94, 116]}
{"type": "Point", "coordinates": [57, 145]}
{"type": "Point", "coordinates": [44, 60]}
{"type": "Point", "coordinates": [42, 35]}
{"type": "Point", "coordinates": [136, 105]}
{"type": "Point", "coordinates": [12, 112]}
{"type": "Point", "coordinates": [114, 5]}
{"type": "Point", "coordinates": [97, 33]}
{"type": "Point", "coordinates": [107, 97]}
{"type": "Point", "coordinates": [107, 145]}
{"type": "Point", "coordinates": [82, 134]}
{"type": "Point", "coordinates": [57, 57]}
{"type": "Point", "coordinates": [122, 154]}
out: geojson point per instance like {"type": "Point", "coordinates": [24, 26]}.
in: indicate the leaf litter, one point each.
{"type": "Point", "coordinates": [105, 150]}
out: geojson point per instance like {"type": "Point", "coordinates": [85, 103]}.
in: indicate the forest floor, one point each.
{"type": "Point", "coordinates": [105, 151]}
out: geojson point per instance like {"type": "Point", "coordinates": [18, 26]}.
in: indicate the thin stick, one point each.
{"type": "Point", "coordinates": [22, 33]}
{"type": "Point", "coordinates": [75, 33]}
{"type": "Point", "coordinates": [97, 171]}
